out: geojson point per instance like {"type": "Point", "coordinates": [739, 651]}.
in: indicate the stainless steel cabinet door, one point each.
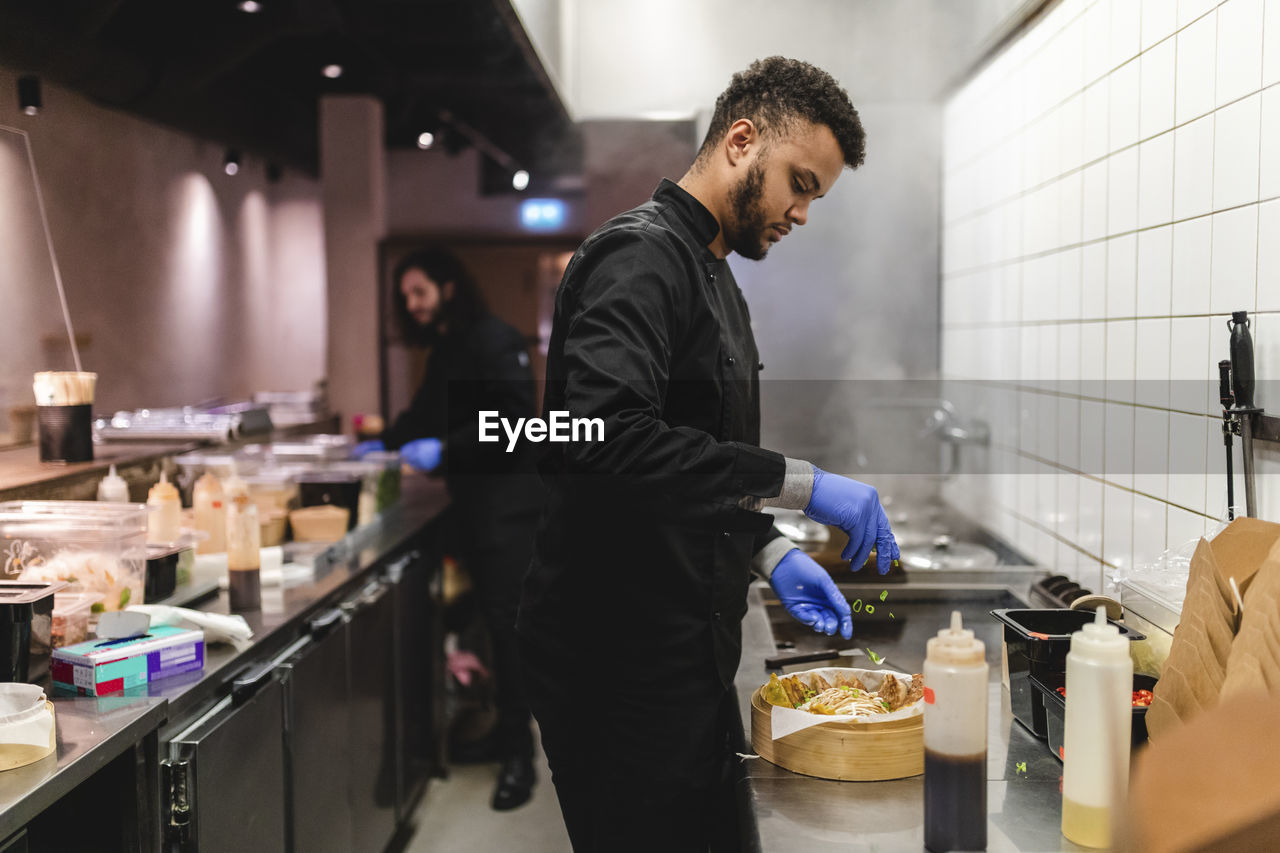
{"type": "Point", "coordinates": [372, 770]}
{"type": "Point", "coordinates": [236, 762]}
{"type": "Point", "coordinates": [319, 747]}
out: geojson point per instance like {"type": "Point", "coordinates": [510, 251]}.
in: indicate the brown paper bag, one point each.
{"type": "Point", "coordinates": [1253, 664]}
{"type": "Point", "coordinates": [1210, 785]}
{"type": "Point", "coordinates": [1211, 618]}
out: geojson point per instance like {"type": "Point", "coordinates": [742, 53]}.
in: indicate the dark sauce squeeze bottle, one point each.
{"type": "Point", "coordinates": [955, 741]}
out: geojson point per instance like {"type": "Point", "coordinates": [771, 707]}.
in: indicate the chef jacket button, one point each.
{"type": "Point", "coordinates": [729, 361]}
{"type": "Point", "coordinates": [725, 534]}
{"type": "Point", "coordinates": [711, 277]}
{"type": "Point", "coordinates": [716, 615]}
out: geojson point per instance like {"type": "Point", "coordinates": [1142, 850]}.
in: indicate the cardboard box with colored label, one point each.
{"type": "Point", "coordinates": [98, 667]}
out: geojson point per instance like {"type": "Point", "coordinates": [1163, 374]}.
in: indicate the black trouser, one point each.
{"type": "Point", "coordinates": [638, 764]}
{"type": "Point", "coordinates": [497, 559]}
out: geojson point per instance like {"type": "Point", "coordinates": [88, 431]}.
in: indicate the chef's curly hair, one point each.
{"type": "Point", "coordinates": [441, 266]}
{"type": "Point", "coordinates": [776, 91]}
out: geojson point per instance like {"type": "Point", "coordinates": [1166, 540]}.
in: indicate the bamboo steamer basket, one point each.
{"type": "Point", "coordinates": [846, 751]}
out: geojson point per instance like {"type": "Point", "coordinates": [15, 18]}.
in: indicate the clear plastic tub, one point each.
{"type": "Point", "coordinates": [72, 614]}
{"type": "Point", "coordinates": [313, 449]}
{"type": "Point", "coordinates": [387, 490]}
{"type": "Point", "coordinates": [219, 463]}
{"type": "Point", "coordinates": [96, 547]}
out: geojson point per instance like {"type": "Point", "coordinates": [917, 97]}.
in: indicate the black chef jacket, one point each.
{"type": "Point", "coordinates": [644, 549]}
{"type": "Point", "coordinates": [484, 367]}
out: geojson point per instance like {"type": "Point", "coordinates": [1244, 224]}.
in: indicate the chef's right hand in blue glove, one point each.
{"type": "Point", "coordinates": [423, 454]}
{"type": "Point", "coordinates": [855, 508]}
{"type": "Point", "coordinates": [810, 595]}
{"type": "Point", "coordinates": [364, 448]}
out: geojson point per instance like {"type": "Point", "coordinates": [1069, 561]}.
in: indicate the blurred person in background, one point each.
{"type": "Point", "coordinates": [476, 363]}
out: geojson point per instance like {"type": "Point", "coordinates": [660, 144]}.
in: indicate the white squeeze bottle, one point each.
{"type": "Point", "coordinates": [955, 740]}
{"type": "Point", "coordinates": [210, 514]}
{"type": "Point", "coordinates": [113, 488]}
{"type": "Point", "coordinates": [1095, 740]}
{"type": "Point", "coordinates": [164, 522]}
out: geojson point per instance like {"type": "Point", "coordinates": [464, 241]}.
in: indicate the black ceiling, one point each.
{"type": "Point", "coordinates": [254, 80]}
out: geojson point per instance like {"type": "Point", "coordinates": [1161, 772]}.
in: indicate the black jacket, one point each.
{"type": "Point", "coordinates": [645, 546]}
{"type": "Point", "coordinates": [484, 367]}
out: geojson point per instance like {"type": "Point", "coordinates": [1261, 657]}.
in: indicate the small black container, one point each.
{"type": "Point", "coordinates": [1055, 707]}
{"type": "Point", "coordinates": [1036, 644]}
{"type": "Point", "coordinates": [162, 571]}
{"type": "Point", "coordinates": [66, 433]}
{"type": "Point", "coordinates": [26, 627]}
{"type": "Point", "coordinates": [331, 487]}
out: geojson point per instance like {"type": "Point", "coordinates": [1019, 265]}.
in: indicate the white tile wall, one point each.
{"type": "Point", "coordinates": [1193, 169]}
{"type": "Point", "coordinates": [1233, 280]}
{"type": "Point", "coordinates": [1239, 70]}
{"type": "Point", "coordinates": [1111, 194]}
{"type": "Point", "coordinates": [1194, 87]}
{"type": "Point", "coordinates": [1270, 44]}
{"type": "Point", "coordinates": [1269, 150]}
{"type": "Point", "coordinates": [1235, 153]}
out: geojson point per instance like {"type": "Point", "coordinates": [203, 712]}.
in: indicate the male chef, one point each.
{"type": "Point", "coordinates": [631, 611]}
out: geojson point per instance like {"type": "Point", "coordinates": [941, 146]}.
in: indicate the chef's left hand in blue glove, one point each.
{"type": "Point", "coordinates": [855, 508]}
{"type": "Point", "coordinates": [423, 454]}
{"type": "Point", "coordinates": [810, 596]}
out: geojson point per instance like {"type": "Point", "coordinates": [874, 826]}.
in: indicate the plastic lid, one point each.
{"type": "Point", "coordinates": [163, 490]}
{"type": "Point", "coordinates": [1100, 639]}
{"type": "Point", "coordinates": [956, 645]}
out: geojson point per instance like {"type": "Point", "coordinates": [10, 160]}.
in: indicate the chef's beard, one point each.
{"type": "Point", "coordinates": [744, 234]}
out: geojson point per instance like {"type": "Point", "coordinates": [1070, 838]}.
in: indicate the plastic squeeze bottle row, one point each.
{"type": "Point", "coordinates": [1096, 734]}
{"type": "Point", "coordinates": [955, 740]}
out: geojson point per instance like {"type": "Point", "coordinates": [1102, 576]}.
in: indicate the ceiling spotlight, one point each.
{"type": "Point", "coordinates": [232, 164]}
{"type": "Point", "coordinates": [249, 6]}
{"type": "Point", "coordinates": [29, 95]}
{"type": "Point", "coordinates": [520, 180]}
{"type": "Point", "coordinates": [426, 139]}
{"type": "Point", "coordinates": [333, 71]}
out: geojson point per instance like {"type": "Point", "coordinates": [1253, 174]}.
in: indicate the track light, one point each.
{"type": "Point", "coordinates": [520, 180]}
{"type": "Point", "coordinates": [333, 71]}
{"type": "Point", "coordinates": [29, 95]}
{"type": "Point", "coordinates": [426, 139]}
{"type": "Point", "coordinates": [249, 6]}
{"type": "Point", "coordinates": [232, 164]}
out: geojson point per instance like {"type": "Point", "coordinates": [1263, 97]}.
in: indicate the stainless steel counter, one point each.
{"type": "Point", "coordinates": [793, 812]}
{"type": "Point", "coordinates": [91, 732]}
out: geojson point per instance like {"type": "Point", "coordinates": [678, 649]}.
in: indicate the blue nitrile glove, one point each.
{"type": "Point", "coordinates": [809, 594]}
{"type": "Point", "coordinates": [422, 453]}
{"type": "Point", "coordinates": [855, 508]}
{"type": "Point", "coordinates": [364, 448]}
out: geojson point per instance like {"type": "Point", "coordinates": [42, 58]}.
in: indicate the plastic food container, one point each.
{"type": "Point", "coordinates": [1036, 643]}
{"type": "Point", "coordinates": [26, 627]}
{"type": "Point", "coordinates": [387, 487]}
{"type": "Point", "coordinates": [162, 569]}
{"type": "Point", "coordinates": [315, 449]}
{"type": "Point", "coordinates": [220, 464]}
{"type": "Point", "coordinates": [72, 613]}
{"type": "Point", "coordinates": [96, 547]}
{"type": "Point", "coordinates": [335, 488]}
{"type": "Point", "coordinates": [319, 523]}
{"type": "Point", "coordinates": [1055, 706]}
